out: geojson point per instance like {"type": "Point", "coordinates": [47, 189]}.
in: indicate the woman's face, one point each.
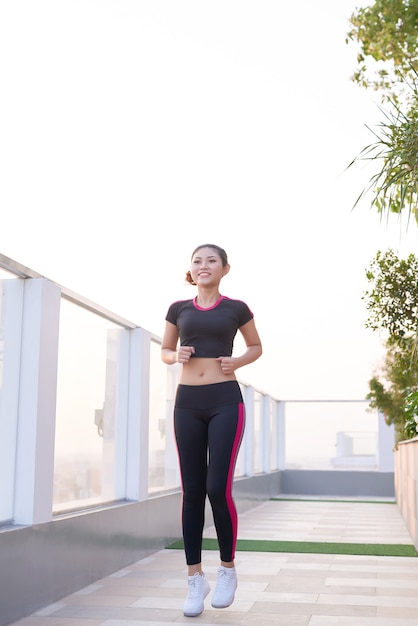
{"type": "Point", "coordinates": [206, 267]}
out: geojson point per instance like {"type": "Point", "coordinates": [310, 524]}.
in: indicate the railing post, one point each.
{"type": "Point", "coordinates": [138, 415]}
{"type": "Point", "coordinates": [37, 402]}
{"type": "Point", "coordinates": [249, 432]}
{"type": "Point", "coordinates": [171, 465]}
{"type": "Point", "coordinates": [281, 435]}
{"type": "Point", "coordinates": [266, 434]}
{"type": "Point", "coordinates": [386, 444]}
{"type": "Point", "coordinates": [114, 414]}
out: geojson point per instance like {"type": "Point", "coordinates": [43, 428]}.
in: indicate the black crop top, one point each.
{"type": "Point", "coordinates": [211, 331]}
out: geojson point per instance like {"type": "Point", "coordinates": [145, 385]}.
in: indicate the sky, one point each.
{"type": "Point", "coordinates": [133, 131]}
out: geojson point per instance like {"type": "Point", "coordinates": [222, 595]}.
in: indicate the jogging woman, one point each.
{"type": "Point", "coordinates": [209, 415]}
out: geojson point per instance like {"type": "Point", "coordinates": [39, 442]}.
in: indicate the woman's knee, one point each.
{"type": "Point", "coordinates": [193, 495]}
{"type": "Point", "coordinates": [217, 494]}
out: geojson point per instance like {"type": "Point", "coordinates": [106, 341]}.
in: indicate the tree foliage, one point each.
{"type": "Point", "coordinates": [392, 300]}
{"type": "Point", "coordinates": [391, 389]}
{"type": "Point", "coordinates": [387, 35]}
{"type": "Point", "coordinates": [395, 186]}
{"type": "Point", "coordinates": [392, 305]}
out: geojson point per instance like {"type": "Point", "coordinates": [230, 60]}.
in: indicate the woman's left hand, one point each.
{"type": "Point", "coordinates": [228, 364]}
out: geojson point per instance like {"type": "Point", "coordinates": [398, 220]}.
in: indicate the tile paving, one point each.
{"type": "Point", "coordinates": [280, 589]}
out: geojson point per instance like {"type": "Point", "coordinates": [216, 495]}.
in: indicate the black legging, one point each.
{"type": "Point", "coordinates": [208, 423]}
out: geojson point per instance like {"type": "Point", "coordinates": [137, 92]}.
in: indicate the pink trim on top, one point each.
{"type": "Point", "coordinates": [201, 308]}
{"type": "Point", "coordinates": [229, 500]}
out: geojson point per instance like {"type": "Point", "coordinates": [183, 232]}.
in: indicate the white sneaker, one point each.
{"type": "Point", "coordinates": [198, 590]}
{"type": "Point", "coordinates": [224, 593]}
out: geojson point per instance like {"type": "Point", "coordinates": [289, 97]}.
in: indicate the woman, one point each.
{"type": "Point", "coordinates": [209, 415]}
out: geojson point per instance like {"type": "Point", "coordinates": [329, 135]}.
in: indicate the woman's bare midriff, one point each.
{"type": "Point", "coordinates": [200, 371]}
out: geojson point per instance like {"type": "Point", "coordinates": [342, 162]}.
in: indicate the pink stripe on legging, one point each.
{"type": "Point", "coordinates": [234, 455]}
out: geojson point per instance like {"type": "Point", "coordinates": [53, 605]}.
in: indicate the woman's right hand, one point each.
{"type": "Point", "coordinates": [184, 353]}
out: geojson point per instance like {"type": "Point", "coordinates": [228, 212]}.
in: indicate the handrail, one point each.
{"type": "Point", "coordinates": [25, 272]}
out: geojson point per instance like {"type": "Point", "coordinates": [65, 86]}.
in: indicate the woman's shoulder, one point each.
{"type": "Point", "coordinates": [239, 306]}
{"type": "Point", "coordinates": [234, 301]}
{"type": "Point", "coordinates": [178, 305]}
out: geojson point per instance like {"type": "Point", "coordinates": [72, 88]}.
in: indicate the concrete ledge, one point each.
{"type": "Point", "coordinates": [259, 487]}
{"type": "Point", "coordinates": [41, 564]}
{"type": "Point", "coordinates": [406, 484]}
{"type": "Point", "coordinates": [337, 483]}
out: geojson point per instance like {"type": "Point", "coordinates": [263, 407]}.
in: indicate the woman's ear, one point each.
{"type": "Point", "coordinates": [226, 269]}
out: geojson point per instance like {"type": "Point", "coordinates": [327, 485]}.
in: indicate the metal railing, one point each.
{"type": "Point", "coordinates": [86, 406]}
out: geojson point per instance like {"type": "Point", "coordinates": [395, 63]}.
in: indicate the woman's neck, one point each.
{"type": "Point", "coordinates": [207, 297]}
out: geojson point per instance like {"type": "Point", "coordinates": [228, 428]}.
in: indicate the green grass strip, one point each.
{"type": "Point", "coordinates": [312, 547]}
{"type": "Point", "coordinates": [332, 500]}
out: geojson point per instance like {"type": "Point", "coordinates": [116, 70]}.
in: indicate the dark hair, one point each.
{"type": "Point", "coordinates": [220, 251]}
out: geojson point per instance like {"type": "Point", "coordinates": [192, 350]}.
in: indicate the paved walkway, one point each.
{"type": "Point", "coordinates": [280, 589]}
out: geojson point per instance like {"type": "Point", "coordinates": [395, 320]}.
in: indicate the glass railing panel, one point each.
{"type": "Point", "coordinates": [11, 305]}
{"type": "Point", "coordinates": [331, 435]}
{"type": "Point", "coordinates": [90, 438]}
{"type": "Point", "coordinates": [162, 453]}
{"type": "Point", "coordinates": [258, 434]}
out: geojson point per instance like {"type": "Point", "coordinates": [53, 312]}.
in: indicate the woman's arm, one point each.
{"type": "Point", "coordinates": [169, 352]}
{"type": "Point", "coordinates": [169, 344]}
{"type": "Point", "coordinates": [252, 353]}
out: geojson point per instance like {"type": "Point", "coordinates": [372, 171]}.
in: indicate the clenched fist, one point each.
{"type": "Point", "coordinates": [184, 353]}
{"type": "Point", "coordinates": [228, 364]}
